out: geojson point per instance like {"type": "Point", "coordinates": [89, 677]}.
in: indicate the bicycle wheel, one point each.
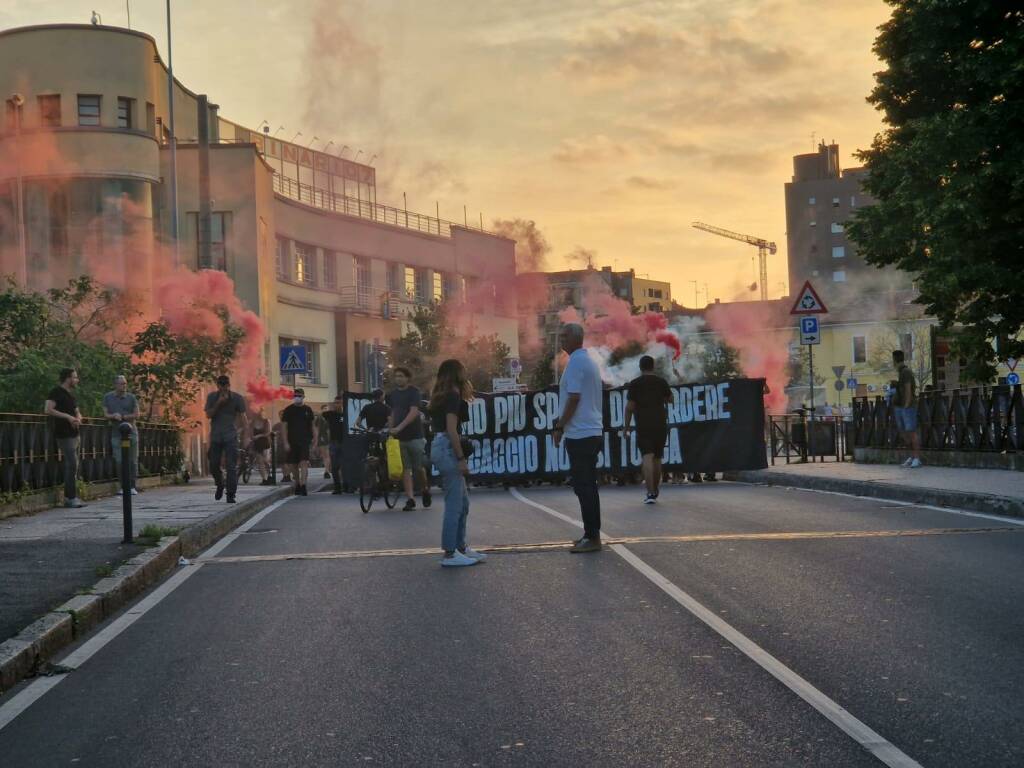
{"type": "Point", "coordinates": [368, 487]}
{"type": "Point", "coordinates": [392, 492]}
{"type": "Point", "coordinates": [246, 470]}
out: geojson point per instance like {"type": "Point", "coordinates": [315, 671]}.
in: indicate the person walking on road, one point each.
{"type": "Point", "coordinates": [905, 409]}
{"type": "Point", "coordinates": [647, 400]}
{"type": "Point", "coordinates": [407, 426]}
{"type": "Point", "coordinates": [62, 407]}
{"type": "Point", "coordinates": [449, 408]}
{"type": "Point", "coordinates": [260, 425]}
{"type": "Point", "coordinates": [322, 440]}
{"type": "Point", "coordinates": [374, 414]}
{"type": "Point", "coordinates": [225, 409]}
{"type": "Point", "coordinates": [300, 435]}
{"type": "Point", "coordinates": [334, 419]}
{"type": "Point", "coordinates": [581, 424]}
{"type": "Point", "coordinates": [121, 406]}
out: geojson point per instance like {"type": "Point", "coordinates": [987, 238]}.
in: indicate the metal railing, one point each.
{"type": "Point", "coordinates": [987, 418]}
{"type": "Point", "coordinates": [390, 304]}
{"type": "Point", "coordinates": [365, 209]}
{"type": "Point", "coordinates": [802, 438]}
{"type": "Point", "coordinates": [30, 459]}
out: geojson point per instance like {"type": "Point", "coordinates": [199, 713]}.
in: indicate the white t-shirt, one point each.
{"type": "Point", "coordinates": [582, 377]}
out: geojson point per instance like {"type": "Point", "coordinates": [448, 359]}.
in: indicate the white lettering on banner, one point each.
{"type": "Point", "coordinates": [685, 414]}
{"type": "Point", "coordinates": [711, 398]}
{"type": "Point", "coordinates": [698, 404]}
{"type": "Point", "coordinates": [477, 424]}
{"type": "Point", "coordinates": [723, 401]}
{"type": "Point", "coordinates": [616, 409]}
{"type": "Point", "coordinates": [555, 459]}
{"type": "Point", "coordinates": [545, 406]}
{"type": "Point", "coordinates": [510, 413]}
{"type": "Point", "coordinates": [500, 414]}
{"type": "Point", "coordinates": [673, 454]}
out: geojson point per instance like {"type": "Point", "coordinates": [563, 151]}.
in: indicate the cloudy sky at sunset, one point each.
{"type": "Point", "coordinates": [611, 124]}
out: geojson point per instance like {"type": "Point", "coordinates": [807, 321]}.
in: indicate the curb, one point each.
{"type": "Point", "coordinates": [25, 654]}
{"type": "Point", "coordinates": [973, 502]}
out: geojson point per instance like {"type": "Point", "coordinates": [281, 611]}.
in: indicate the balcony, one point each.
{"type": "Point", "coordinates": [364, 209]}
{"type": "Point", "coordinates": [377, 303]}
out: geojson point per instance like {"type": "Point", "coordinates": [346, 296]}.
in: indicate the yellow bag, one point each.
{"type": "Point", "coordinates": [394, 451]}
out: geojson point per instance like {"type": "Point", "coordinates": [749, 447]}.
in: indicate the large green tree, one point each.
{"type": "Point", "coordinates": [948, 170]}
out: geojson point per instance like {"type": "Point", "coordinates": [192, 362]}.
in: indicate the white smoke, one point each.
{"type": "Point", "coordinates": [688, 368]}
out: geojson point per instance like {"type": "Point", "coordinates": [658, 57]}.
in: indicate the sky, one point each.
{"type": "Point", "coordinates": [613, 125]}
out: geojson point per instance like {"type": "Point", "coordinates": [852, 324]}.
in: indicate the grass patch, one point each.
{"type": "Point", "coordinates": [150, 535]}
{"type": "Point", "coordinates": [104, 570]}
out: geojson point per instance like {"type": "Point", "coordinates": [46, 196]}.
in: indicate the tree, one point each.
{"type": "Point", "coordinates": [946, 171]}
{"type": "Point", "coordinates": [720, 361]}
{"type": "Point", "coordinates": [915, 339]}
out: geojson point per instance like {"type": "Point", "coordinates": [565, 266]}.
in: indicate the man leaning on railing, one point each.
{"type": "Point", "coordinates": [119, 406]}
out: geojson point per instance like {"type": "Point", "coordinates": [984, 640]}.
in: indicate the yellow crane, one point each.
{"type": "Point", "coordinates": [764, 247]}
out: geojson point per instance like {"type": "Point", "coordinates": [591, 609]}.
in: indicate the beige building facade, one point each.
{"type": "Point", "coordinates": [85, 187]}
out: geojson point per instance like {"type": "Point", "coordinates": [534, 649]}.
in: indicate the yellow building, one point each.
{"type": "Point", "coordinates": [86, 186]}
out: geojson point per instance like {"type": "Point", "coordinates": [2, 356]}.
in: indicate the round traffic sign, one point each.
{"type": "Point", "coordinates": [1013, 379]}
{"type": "Point", "coordinates": [839, 385]}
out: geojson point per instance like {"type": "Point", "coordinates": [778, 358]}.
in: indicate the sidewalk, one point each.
{"type": "Point", "coordinates": [48, 557]}
{"type": "Point", "coordinates": [995, 491]}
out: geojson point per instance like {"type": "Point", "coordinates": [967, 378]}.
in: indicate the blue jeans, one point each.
{"type": "Point", "coordinates": [456, 495]}
{"type": "Point", "coordinates": [583, 453]}
{"type": "Point", "coordinates": [906, 419]}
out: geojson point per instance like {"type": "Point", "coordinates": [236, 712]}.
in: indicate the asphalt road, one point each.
{"type": "Point", "coordinates": [289, 648]}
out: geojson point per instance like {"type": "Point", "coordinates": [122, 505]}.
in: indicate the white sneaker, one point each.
{"type": "Point", "coordinates": [120, 491]}
{"type": "Point", "coordinates": [915, 464]}
{"type": "Point", "coordinates": [906, 464]}
{"type": "Point", "coordinates": [478, 556]}
{"type": "Point", "coordinates": [457, 559]}
{"type": "Point", "coordinates": [649, 499]}
{"type": "Point", "coordinates": [135, 492]}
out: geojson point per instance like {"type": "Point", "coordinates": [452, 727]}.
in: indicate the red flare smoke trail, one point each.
{"type": "Point", "coordinates": [261, 392]}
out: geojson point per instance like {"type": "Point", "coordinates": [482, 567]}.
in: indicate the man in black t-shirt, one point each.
{"type": "Point", "coordinates": [375, 413]}
{"type": "Point", "coordinates": [407, 425]}
{"type": "Point", "coordinates": [334, 418]}
{"type": "Point", "coordinates": [647, 398]}
{"type": "Point", "coordinates": [299, 435]}
{"type": "Point", "coordinates": [63, 408]}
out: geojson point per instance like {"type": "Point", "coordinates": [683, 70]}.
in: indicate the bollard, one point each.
{"type": "Point", "coordinates": [273, 459]}
{"type": "Point", "coordinates": [126, 479]}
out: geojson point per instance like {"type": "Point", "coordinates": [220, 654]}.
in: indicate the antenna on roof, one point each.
{"type": "Point", "coordinates": [96, 19]}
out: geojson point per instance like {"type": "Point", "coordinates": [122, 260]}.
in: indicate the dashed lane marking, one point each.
{"type": "Point", "coordinates": [885, 751]}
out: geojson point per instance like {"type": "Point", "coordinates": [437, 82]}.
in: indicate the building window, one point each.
{"type": "Point", "coordinates": [837, 228]}
{"type": "Point", "coordinates": [305, 269]}
{"type": "Point", "coordinates": [839, 276]}
{"type": "Point", "coordinates": [410, 283]}
{"type": "Point", "coordinates": [150, 119]}
{"type": "Point", "coordinates": [312, 375]}
{"type": "Point", "coordinates": [835, 202]}
{"type": "Point", "coordinates": [838, 251]}
{"type": "Point", "coordinates": [438, 286]}
{"type": "Point", "coordinates": [853, 201]}
{"type": "Point", "coordinates": [281, 258]}
{"type": "Point", "coordinates": [394, 278]}
{"type": "Point", "coordinates": [860, 349]}
{"type": "Point", "coordinates": [363, 278]}
{"type": "Point", "coordinates": [359, 362]}
{"type": "Point", "coordinates": [124, 112]}
{"type": "Point", "coordinates": [330, 269]}
{"type": "Point", "coordinates": [907, 345]}
{"type": "Point", "coordinates": [88, 110]}
{"type": "Point", "coordinates": [812, 200]}
{"type": "Point", "coordinates": [49, 111]}
{"type": "Point", "coordinates": [220, 226]}
{"type": "Point", "coordinates": [451, 285]}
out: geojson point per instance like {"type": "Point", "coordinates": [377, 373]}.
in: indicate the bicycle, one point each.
{"type": "Point", "coordinates": [246, 461]}
{"type": "Point", "coordinates": [376, 482]}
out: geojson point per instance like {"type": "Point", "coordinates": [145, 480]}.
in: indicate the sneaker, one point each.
{"type": "Point", "coordinates": [303, 491]}
{"type": "Point", "coordinates": [650, 498]}
{"type": "Point", "coordinates": [915, 464]}
{"type": "Point", "coordinates": [119, 492]}
{"type": "Point", "coordinates": [410, 505]}
{"type": "Point", "coordinates": [135, 491]}
{"type": "Point", "coordinates": [478, 556]}
{"type": "Point", "coordinates": [906, 464]}
{"type": "Point", "coordinates": [586, 545]}
{"type": "Point", "coordinates": [74, 503]}
{"type": "Point", "coordinates": [231, 498]}
{"type": "Point", "coordinates": [220, 493]}
{"type": "Point", "coordinates": [457, 559]}
{"type": "Point", "coordinates": [695, 478]}
{"type": "Point", "coordinates": [426, 499]}
{"type": "Point", "coordinates": [710, 477]}
{"type": "Point", "coordinates": [327, 475]}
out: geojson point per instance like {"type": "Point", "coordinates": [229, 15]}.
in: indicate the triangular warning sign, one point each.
{"type": "Point", "coordinates": [808, 302]}
{"type": "Point", "coordinates": [293, 363]}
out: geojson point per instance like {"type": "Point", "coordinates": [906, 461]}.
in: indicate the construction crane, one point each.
{"type": "Point", "coordinates": [763, 249]}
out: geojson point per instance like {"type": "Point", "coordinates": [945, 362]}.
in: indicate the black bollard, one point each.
{"type": "Point", "coordinates": [273, 459]}
{"type": "Point", "coordinates": [126, 479]}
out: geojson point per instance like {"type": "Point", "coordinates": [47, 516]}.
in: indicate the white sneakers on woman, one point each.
{"type": "Point", "coordinates": [469, 557]}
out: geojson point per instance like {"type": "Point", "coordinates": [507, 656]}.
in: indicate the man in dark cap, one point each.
{"type": "Point", "coordinates": [226, 411]}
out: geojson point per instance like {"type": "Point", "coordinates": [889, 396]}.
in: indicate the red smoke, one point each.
{"type": "Point", "coordinates": [262, 392]}
{"type": "Point", "coordinates": [747, 327]}
{"type": "Point", "coordinates": [609, 321]}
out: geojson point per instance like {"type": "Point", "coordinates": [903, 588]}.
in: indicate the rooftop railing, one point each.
{"type": "Point", "coordinates": [365, 209]}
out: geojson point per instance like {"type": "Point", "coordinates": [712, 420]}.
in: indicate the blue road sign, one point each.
{"type": "Point", "coordinates": [809, 330]}
{"type": "Point", "coordinates": [293, 359]}
{"type": "Point", "coordinates": [851, 383]}
{"type": "Point", "coordinates": [1013, 378]}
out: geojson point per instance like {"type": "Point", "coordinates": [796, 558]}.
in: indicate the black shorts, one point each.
{"type": "Point", "coordinates": [651, 441]}
{"type": "Point", "coordinates": [297, 454]}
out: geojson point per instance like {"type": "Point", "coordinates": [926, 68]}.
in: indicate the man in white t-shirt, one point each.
{"type": "Point", "coordinates": [581, 423]}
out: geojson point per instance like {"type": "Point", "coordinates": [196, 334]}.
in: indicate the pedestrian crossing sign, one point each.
{"type": "Point", "coordinates": [293, 359]}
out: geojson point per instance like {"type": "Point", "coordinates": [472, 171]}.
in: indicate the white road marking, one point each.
{"type": "Point", "coordinates": [35, 690]}
{"type": "Point", "coordinates": [874, 743]}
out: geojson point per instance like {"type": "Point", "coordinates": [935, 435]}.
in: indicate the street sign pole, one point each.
{"type": "Point", "coordinates": [810, 365]}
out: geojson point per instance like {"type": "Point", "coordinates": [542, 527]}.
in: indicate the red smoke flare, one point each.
{"type": "Point", "coordinates": [746, 326]}
{"type": "Point", "coordinates": [262, 392]}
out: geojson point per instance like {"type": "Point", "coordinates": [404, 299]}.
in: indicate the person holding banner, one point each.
{"type": "Point", "coordinates": [647, 399]}
{"type": "Point", "coordinates": [448, 409]}
{"type": "Point", "coordinates": [580, 400]}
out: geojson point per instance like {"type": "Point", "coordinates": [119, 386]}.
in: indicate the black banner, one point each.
{"type": "Point", "coordinates": [712, 427]}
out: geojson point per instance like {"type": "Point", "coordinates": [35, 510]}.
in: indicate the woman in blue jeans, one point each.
{"type": "Point", "coordinates": [448, 409]}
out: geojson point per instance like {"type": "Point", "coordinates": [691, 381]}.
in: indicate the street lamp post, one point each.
{"type": "Point", "coordinates": [173, 138]}
{"type": "Point", "coordinates": [16, 101]}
